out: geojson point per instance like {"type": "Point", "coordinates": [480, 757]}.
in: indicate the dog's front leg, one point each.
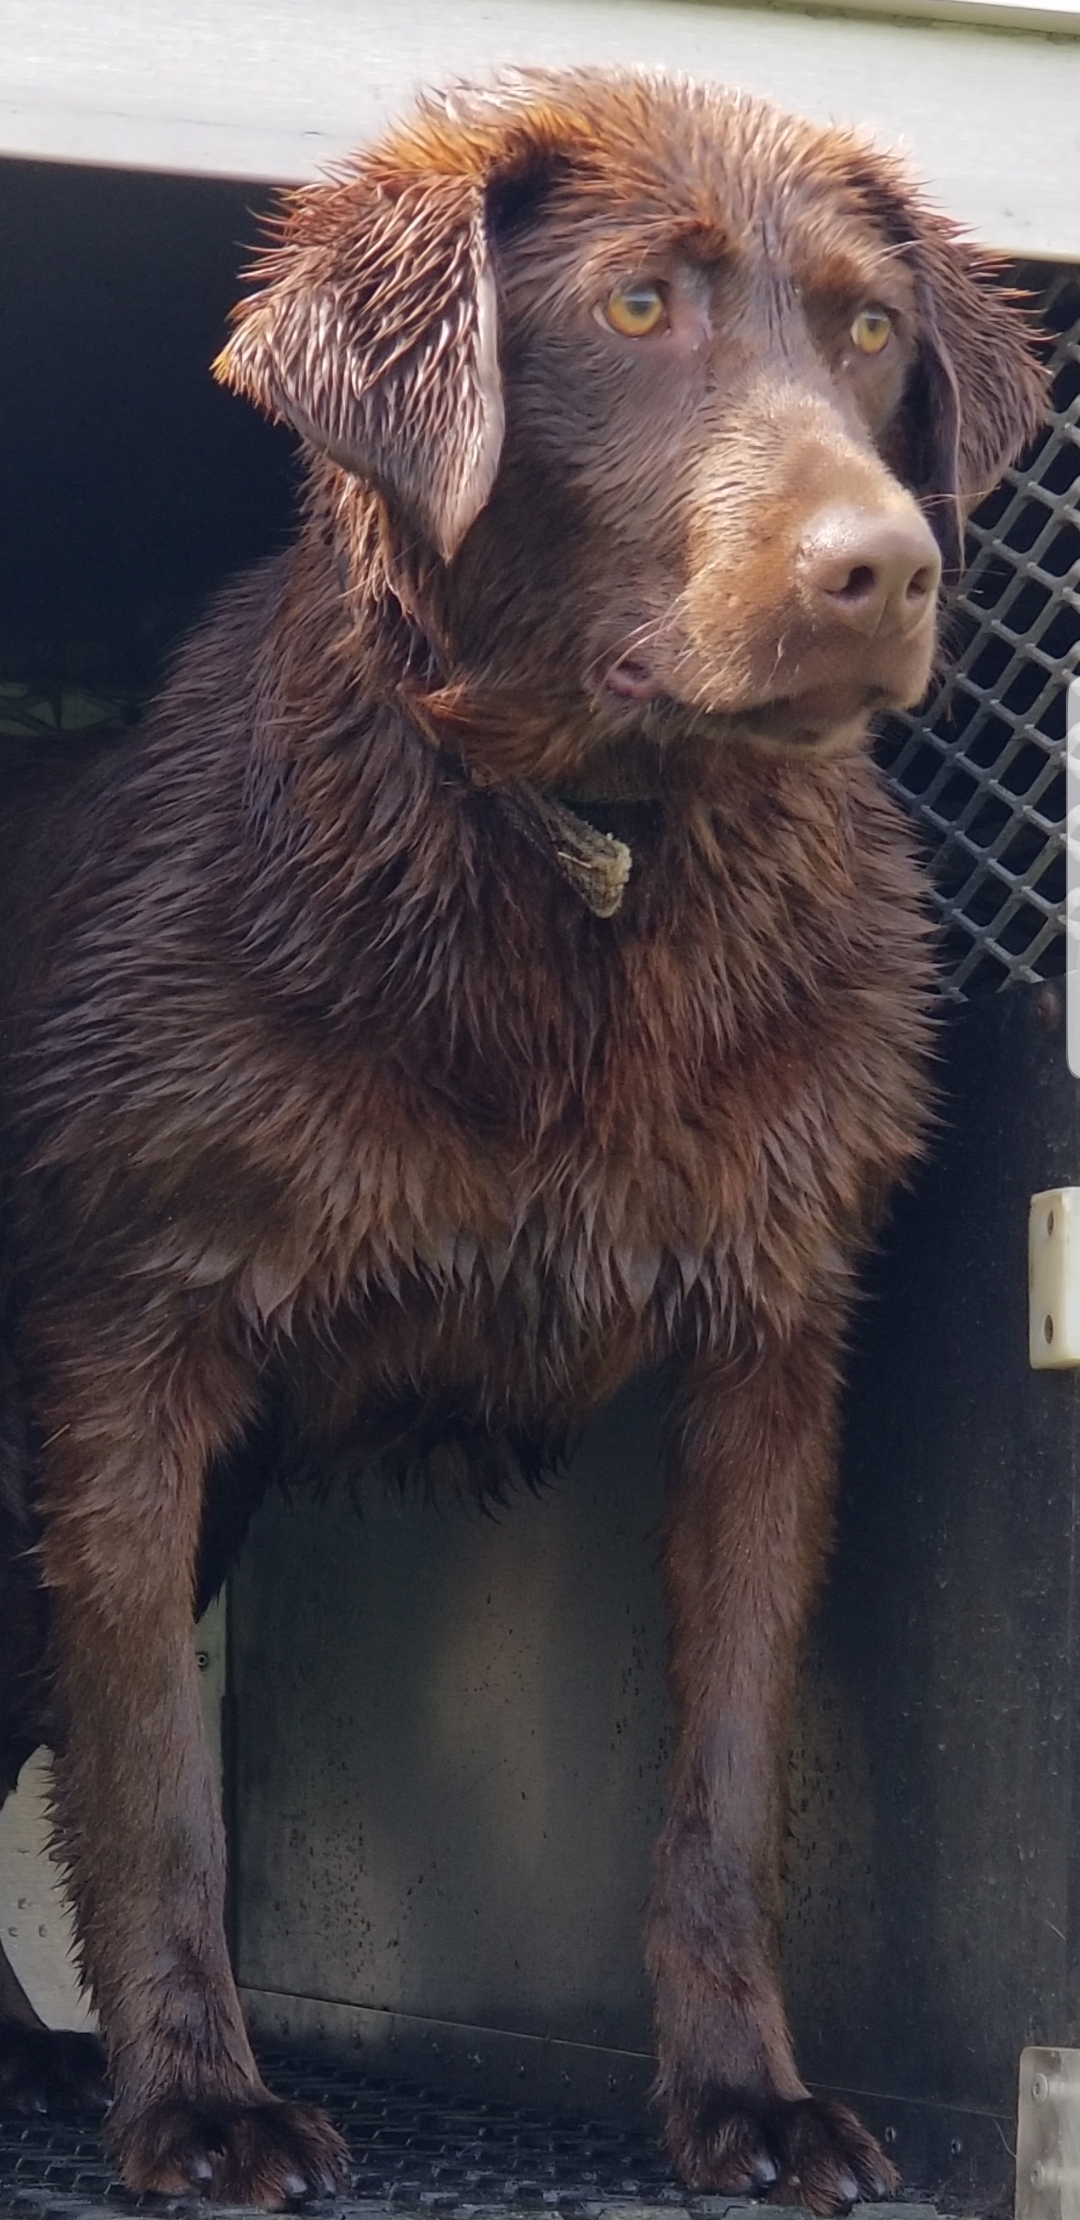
{"type": "Point", "coordinates": [126, 1433]}
{"type": "Point", "coordinates": [751, 1491]}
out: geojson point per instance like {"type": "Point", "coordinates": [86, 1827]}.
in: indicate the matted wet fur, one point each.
{"type": "Point", "coordinates": [495, 967]}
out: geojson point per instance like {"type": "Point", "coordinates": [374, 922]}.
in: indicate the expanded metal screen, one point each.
{"type": "Point", "coordinates": [981, 766]}
{"type": "Point", "coordinates": [37, 711]}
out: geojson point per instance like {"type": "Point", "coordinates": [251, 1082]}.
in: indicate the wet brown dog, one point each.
{"type": "Point", "coordinates": [495, 968]}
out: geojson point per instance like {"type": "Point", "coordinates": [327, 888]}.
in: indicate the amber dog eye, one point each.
{"type": "Point", "coordinates": [634, 310]}
{"type": "Point", "coordinates": [871, 330]}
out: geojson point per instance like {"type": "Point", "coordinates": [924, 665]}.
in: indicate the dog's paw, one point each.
{"type": "Point", "coordinates": [792, 2151]}
{"type": "Point", "coordinates": [43, 2069]}
{"type": "Point", "coordinates": [254, 2151]}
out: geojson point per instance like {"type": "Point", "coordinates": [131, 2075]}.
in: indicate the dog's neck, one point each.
{"type": "Point", "coordinates": [530, 761]}
{"type": "Point", "coordinates": [595, 862]}
{"type": "Point", "coordinates": [487, 735]}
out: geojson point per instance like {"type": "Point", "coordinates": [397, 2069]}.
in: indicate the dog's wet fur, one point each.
{"type": "Point", "coordinates": [495, 967]}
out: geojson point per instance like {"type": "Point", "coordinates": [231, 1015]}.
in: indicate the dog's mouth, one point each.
{"type": "Point", "coordinates": [630, 679]}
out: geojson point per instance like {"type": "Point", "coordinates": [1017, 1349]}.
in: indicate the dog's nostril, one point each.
{"type": "Point", "coordinates": [876, 572]}
{"type": "Point", "coordinates": [859, 582]}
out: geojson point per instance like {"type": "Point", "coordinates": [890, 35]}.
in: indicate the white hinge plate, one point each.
{"type": "Point", "coordinates": [1048, 2136]}
{"type": "Point", "coordinates": [1054, 1279]}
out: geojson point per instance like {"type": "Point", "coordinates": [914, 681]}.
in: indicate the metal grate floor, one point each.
{"type": "Point", "coordinates": [410, 2147]}
{"type": "Point", "coordinates": [414, 2151]}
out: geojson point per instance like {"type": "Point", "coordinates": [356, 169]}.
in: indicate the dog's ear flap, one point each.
{"type": "Point", "coordinates": [978, 395]}
{"type": "Point", "coordinates": [375, 336]}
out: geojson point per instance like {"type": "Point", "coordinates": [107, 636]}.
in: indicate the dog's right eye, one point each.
{"type": "Point", "coordinates": [634, 310]}
{"type": "Point", "coordinates": [872, 329]}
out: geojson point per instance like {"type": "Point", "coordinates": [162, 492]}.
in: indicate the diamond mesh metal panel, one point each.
{"type": "Point", "coordinates": [981, 767]}
{"type": "Point", "coordinates": [39, 712]}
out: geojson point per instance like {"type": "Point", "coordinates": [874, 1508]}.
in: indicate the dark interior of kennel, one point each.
{"type": "Point", "coordinates": [446, 1734]}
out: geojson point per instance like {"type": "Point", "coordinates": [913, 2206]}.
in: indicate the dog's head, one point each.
{"type": "Point", "coordinates": [673, 408]}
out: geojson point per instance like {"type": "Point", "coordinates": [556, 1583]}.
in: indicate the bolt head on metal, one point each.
{"type": "Point", "coordinates": [1040, 2088]}
{"type": "Point", "coordinates": [1038, 2174]}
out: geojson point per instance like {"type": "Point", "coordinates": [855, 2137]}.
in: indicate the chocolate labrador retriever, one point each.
{"type": "Point", "coordinates": [495, 967]}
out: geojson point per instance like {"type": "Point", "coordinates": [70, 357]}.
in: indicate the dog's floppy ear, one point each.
{"type": "Point", "coordinates": [979, 394]}
{"type": "Point", "coordinates": [375, 337]}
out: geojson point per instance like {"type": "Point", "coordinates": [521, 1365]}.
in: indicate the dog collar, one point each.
{"type": "Point", "coordinates": [594, 863]}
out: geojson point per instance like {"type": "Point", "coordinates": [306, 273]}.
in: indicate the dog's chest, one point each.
{"type": "Point", "coordinates": [511, 1294]}
{"type": "Point", "coordinates": [606, 1174]}
{"type": "Point", "coordinates": [543, 1265]}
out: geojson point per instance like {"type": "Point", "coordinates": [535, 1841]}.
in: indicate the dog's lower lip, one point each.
{"type": "Point", "coordinates": [631, 679]}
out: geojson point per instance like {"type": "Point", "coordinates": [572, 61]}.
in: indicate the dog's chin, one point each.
{"type": "Point", "coordinates": [823, 720]}
{"type": "Point", "coordinates": [803, 727]}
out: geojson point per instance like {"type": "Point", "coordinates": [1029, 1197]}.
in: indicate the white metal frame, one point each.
{"type": "Point", "coordinates": [988, 112]}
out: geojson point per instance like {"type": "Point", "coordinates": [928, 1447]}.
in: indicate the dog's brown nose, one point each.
{"type": "Point", "coordinates": [877, 573]}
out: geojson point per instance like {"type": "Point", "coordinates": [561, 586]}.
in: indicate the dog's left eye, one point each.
{"type": "Point", "coordinates": [634, 310]}
{"type": "Point", "coordinates": [872, 330]}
